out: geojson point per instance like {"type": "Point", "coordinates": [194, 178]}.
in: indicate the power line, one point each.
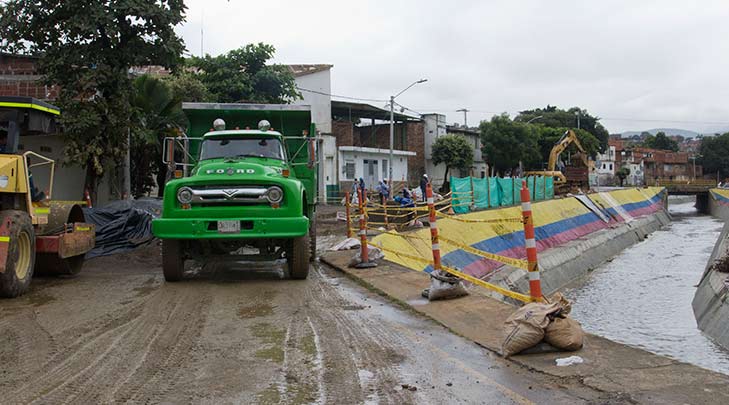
{"type": "Point", "coordinates": [338, 96]}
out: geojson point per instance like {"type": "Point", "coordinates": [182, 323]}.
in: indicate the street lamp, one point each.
{"type": "Point", "coordinates": [392, 126]}
{"type": "Point", "coordinates": [694, 157]}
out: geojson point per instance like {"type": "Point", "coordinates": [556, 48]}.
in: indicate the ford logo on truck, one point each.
{"type": "Point", "coordinates": [230, 171]}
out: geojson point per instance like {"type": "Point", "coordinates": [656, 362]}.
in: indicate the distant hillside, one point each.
{"type": "Point", "coordinates": [668, 131]}
{"type": "Point", "coordinates": [675, 131]}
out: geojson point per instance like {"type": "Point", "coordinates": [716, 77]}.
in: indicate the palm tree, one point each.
{"type": "Point", "coordinates": [157, 114]}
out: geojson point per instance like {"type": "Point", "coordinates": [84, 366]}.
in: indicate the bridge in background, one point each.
{"type": "Point", "coordinates": [698, 187]}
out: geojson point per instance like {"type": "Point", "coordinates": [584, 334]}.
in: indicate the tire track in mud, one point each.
{"type": "Point", "coordinates": [126, 351]}
{"type": "Point", "coordinates": [373, 350]}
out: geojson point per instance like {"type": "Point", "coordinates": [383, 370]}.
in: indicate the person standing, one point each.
{"type": "Point", "coordinates": [384, 191]}
{"type": "Point", "coordinates": [423, 184]}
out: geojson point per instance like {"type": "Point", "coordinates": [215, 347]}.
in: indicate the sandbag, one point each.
{"type": "Point", "coordinates": [564, 304]}
{"type": "Point", "coordinates": [564, 333]}
{"type": "Point", "coordinates": [525, 327]}
{"type": "Point", "coordinates": [444, 286]}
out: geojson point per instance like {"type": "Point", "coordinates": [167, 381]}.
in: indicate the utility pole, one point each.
{"type": "Point", "coordinates": [392, 128]}
{"type": "Point", "coordinates": [465, 116]}
{"type": "Point", "coordinates": [577, 113]}
{"type": "Point", "coordinates": [392, 143]}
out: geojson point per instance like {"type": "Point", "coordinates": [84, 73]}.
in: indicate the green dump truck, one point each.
{"type": "Point", "coordinates": [244, 187]}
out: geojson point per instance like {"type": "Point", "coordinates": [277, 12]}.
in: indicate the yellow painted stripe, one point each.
{"type": "Point", "coordinates": [28, 105]}
{"type": "Point", "coordinates": [4, 238]}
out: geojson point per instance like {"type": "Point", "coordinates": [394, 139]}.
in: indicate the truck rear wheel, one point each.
{"type": "Point", "coordinates": [173, 262]}
{"type": "Point", "coordinates": [21, 253]}
{"type": "Point", "coordinates": [312, 237]}
{"type": "Point", "coordinates": [298, 258]}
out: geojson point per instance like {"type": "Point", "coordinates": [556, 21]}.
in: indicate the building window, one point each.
{"type": "Point", "coordinates": [384, 168]}
{"type": "Point", "coordinates": [349, 170]}
{"type": "Point", "coordinates": [611, 166]}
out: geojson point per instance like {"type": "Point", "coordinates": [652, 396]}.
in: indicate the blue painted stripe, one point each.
{"type": "Point", "coordinates": [721, 198]}
{"type": "Point", "coordinates": [501, 243]}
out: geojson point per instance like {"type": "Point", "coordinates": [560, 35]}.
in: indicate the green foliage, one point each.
{"type": "Point", "coordinates": [549, 136]}
{"type": "Point", "coordinates": [660, 142]}
{"type": "Point", "coordinates": [554, 117]}
{"type": "Point", "coordinates": [157, 114]}
{"type": "Point", "coordinates": [87, 49]}
{"type": "Point", "coordinates": [242, 75]}
{"type": "Point", "coordinates": [622, 174]}
{"type": "Point", "coordinates": [714, 153]}
{"type": "Point", "coordinates": [188, 87]}
{"type": "Point", "coordinates": [506, 142]}
{"type": "Point", "coordinates": [453, 150]}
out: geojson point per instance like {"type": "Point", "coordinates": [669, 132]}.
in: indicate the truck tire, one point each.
{"type": "Point", "coordinates": [173, 263]}
{"type": "Point", "coordinates": [298, 258]}
{"type": "Point", "coordinates": [21, 254]}
{"type": "Point", "coordinates": [312, 237]}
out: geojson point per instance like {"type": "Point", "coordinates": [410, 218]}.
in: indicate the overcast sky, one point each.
{"type": "Point", "coordinates": [636, 64]}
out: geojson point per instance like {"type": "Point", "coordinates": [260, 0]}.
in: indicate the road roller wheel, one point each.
{"type": "Point", "coordinates": [173, 263]}
{"type": "Point", "coordinates": [20, 244]}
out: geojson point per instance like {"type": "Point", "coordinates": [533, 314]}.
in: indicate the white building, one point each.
{"type": "Point", "coordinates": [435, 127]}
{"type": "Point", "coordinates": [606, 166]}
{"type": "Point", "coordinates": [371, 164]}
{"type": "Point", "coordinates": [315, 85]}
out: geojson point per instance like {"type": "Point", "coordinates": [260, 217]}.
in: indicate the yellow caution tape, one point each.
{"type": "Point", "coordinates": [83, 228]}
{"type": "Point", "coordinates": [518, 263]}
{"type": "Point", "coordinates": [4, 238]}
{"type": "Point", "coordinates": [42, 210]}
{"type": "Point", "coordinates": [483, 221]}
{"type": "Point", "coordinates": [474, 280]}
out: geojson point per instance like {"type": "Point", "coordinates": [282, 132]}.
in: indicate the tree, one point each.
{"type": "Point", "coordinates": [188, 88]}
{"type": "Point", "coordinates": [622, 174]}
{"type": "Point", "coordinates": [87, 48]}
{"type": "Point", "coordinates": [455, 152]}
{"type": "Point", "coordinates": [505, 143]}
{"type": "Point", "coordinates": [158, 114]}
{"type": "Point", "coordinates": [714, 151]}
{"type": "Point", "coordinates": [660, 142]}
{"type": "Point", "coordinates": [242, 75]}
{"type": "Point", "coordinates": [554, 117]}
{"type": "Point", "coordinates": [549, 136]}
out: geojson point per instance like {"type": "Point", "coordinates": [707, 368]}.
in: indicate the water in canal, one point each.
{"type": "Point", "coordinates": [643, 297]}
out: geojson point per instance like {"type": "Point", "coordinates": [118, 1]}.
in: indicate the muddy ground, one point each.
{"type": "Point", "coordinates": [242, 334]}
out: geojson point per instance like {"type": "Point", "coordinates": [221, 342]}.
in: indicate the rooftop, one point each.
{"type": "Point", "coordinates": [304, 69]}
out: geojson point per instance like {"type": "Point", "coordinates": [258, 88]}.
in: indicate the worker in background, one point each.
{"type": "Point", "coordinates": [384, 190]}
{"type": "Point", "coordinates": [423, 184]}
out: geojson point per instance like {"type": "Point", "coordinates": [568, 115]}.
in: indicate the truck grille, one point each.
{"type": "Point", "coordinates": [229, 195]}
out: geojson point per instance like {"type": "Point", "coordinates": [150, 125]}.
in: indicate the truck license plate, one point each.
{"type": "Point", "coordinates": [228, 226]}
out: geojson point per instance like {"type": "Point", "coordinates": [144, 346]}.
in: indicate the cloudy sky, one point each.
{"type": "Point", "coordinates": [636, 64]}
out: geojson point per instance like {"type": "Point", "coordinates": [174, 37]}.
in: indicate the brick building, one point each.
{"type": "Point", "coordinates": [19, 77]}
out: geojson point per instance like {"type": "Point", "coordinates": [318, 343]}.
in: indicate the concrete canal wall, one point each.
{"type": "Point", "coordinates": [574, 235]}
{"type": "Point", "coordinates": [709, 304]}
{"type": "Point", "coordinates": [719, 203]}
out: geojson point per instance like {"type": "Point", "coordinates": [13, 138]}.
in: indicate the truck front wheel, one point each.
{"type": "Point", "coordinates": [298, 257]}
{"type": "Point", "coordinates": [173, 263]}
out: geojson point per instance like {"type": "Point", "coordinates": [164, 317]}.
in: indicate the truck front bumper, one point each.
{"type": "Point", "coordinates": [206, 228]}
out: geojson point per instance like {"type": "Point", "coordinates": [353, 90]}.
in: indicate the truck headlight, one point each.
{"type": "Point", "coordinates": [274, 195]}
{"type": "Point", "coordinates": [184, 195]}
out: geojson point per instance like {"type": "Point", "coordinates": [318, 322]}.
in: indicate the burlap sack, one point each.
{"type": "Point", "coordinates": [565, 334]}
{"type": "Point", "coordinates": [525, 327]}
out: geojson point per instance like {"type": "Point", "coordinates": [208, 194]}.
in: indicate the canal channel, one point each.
{"type": "Point", "coordinates": [643, 296]}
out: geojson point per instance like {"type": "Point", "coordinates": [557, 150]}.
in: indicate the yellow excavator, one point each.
{"type": "Point", "coordinates": [573, 176]}
{"type": "Point", "coordinates": [37, 235]}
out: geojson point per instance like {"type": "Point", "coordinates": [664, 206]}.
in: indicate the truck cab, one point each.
{"type": "Point", "coordinates": [248, 193]}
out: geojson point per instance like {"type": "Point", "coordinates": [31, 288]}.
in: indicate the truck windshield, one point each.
{"type": "Point", "coordinates": [227, 147]}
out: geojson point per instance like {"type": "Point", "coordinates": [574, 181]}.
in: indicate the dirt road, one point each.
{"type": "Point", "coordinates": [241, 334]}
